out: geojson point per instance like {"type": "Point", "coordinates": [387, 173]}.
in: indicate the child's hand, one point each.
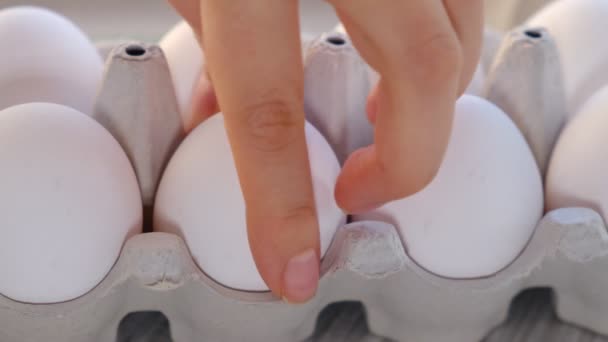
{"type": "Point", "coordinates": [425, 51]}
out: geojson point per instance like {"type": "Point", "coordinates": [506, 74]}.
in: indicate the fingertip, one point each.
{"type": "Point", "coordinates": [301, 277]}
{"type": "Point", "coordinates": [286, 250]}
{"type": "Point", "coordinates": [364, 185]}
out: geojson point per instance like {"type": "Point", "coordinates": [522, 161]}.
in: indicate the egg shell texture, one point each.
{"type": "Point", "coordinates": [578, 168]}
{"type": "Point", "coordinates": [69, 200]}
{"type": "Point", "coordinates": [46, 58]}
{"type": "Point", "coordinates": [185, 58]}
{"type": "Point", "coordinates": [481, 209]}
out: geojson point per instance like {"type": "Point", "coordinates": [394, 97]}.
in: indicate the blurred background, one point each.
{"type": "Point", "coordinates": [148, 20]}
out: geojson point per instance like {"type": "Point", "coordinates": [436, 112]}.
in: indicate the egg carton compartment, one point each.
{"type": "Point", "coordinates": [366, 262]}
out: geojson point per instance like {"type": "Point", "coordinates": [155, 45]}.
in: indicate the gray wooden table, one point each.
{"type": "Point", "coordinates": [532, 319]}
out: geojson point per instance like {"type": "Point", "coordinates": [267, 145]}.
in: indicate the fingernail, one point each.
{"type": "Point", "coordinates": [301, 277]}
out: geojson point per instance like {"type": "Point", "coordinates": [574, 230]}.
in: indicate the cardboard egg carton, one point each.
{"type": "Point", "coordinates": [366, 262]}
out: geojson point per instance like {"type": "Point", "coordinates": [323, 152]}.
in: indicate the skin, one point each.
{"type": "Point", "coordinates": [425, 51]}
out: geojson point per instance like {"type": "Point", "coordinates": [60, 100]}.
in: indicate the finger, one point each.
{"type": "Point", "coordinates": [415, 49]}
{"type": "Point", "coordinates": [190, 11]}
{"type": "Point", "coordinates": [255, 65]}
{"type": "Point", "coordinates": [467, 20]}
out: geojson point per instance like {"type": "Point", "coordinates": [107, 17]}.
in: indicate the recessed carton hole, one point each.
{"type": "Point", "coordinates": [144, 326]}
{"type": "Point", "coordinates": [533, 34]}
{"type": "Point", "coordinates": [529, 307]}
{"type": "Point", "coordinates": [339, 317]}
{"type": "Point", "coordinates": [148, 218]}
{"type": "Point", "coordinates": [135, 50]}
{"type": "Point", "coordinates": [539, 296]}
{"type": "Point", "coordinates": [335, 40]}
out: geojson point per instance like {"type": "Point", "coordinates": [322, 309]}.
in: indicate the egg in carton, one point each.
{"type": "Point", "coordinates": [404, 296]}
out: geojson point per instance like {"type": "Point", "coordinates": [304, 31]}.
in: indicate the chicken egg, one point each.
{"type": "Point", "coordinates": [69, 201]}
{"type": "Point", "coordinates": [46, 58]}
{"type": "Point", "coordinates": [200, 199]}
{"type": "Point", "coordinates": [481, 209]}
{"type": "Point", "coordinates": [577, 173]}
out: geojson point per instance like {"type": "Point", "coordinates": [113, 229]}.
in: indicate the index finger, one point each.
{"type": "Point", "coordinates": [254, 61]}
{"type": "Point", "coordinates": [416, 50]}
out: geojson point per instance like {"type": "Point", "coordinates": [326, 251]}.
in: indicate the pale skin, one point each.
{"type": "Point", "coordinates": [425, 51]}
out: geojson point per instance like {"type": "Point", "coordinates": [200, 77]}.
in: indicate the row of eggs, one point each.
{"type": "Point", "coordinates": [66, 211]}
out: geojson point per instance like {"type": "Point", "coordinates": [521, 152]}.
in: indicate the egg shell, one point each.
{"type": "Point", "coordinates": [46, 58]}
{"type": "Point", "coordinates": [579, 28]}
{"type": "Point", "coordinates": [578, 168]}
{"type": "Point", "coordinates": [200, 199]}
{"type": "Point", "coordinates": [336, 86]}
{"type": "Point", "coordinates": [69, 200]}
{"type": "Point", "coordinates": [481, 209]}
{"type": "Point", "coordinates": [186, 61]}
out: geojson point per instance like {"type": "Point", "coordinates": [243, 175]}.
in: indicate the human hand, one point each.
{"type": "Point", "coordinates": [425, 51]}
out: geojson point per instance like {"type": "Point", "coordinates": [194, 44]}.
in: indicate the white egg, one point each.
{"type": "Point", "coordinates": [337, 83]}
{"type": "Point", "coordinates": [186, 61]}
{"type": "Point", "coordinates": [46, 58]}
{"type": "Point", "coordinates": [578, 168]}
{"type": "Point", "coordinates": [578, 28]}
{"type": "Point", "coordinates": [200, 199]}
{"type": "Point", "coordinates": [69, 201]}
{"type": "Point", "coordinates": [481, 209]}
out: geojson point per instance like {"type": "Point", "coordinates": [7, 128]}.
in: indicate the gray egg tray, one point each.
{"type": "Point", "coordinates": [366, 261]}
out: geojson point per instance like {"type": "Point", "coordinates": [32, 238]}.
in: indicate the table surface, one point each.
{"type": "Point", "coordinates": [532, 317]}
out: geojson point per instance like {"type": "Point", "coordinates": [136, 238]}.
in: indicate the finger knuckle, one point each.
{"type": "Point", "coordinates": [272, 125]}
{"type": "Point", "coordinates": [292, 225]}
{"type": "Point", "coordinates": [437, 57]}
{"type": "Point", "coordinates": [300, 213]}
